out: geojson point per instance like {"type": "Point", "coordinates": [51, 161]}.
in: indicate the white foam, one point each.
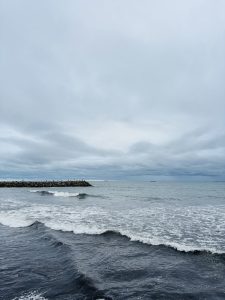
{"type": "Point", "coordinates": [31, 296]}
{"type": "Point", "coordinates": [155, 241]}
{"type": "Point", "coordinates": [76, 229]}
{"type": "Point", "coordinates": [173, 227]}
{"type": "Point", "coordinates": [64, 194]}
{"type": "Point", "coordinates": [14, 219]}
{"type": "Point", "coordinates": [56, 193]}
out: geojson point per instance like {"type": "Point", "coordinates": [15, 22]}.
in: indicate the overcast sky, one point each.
{"type": "Point", "coordinates": [112, 89]}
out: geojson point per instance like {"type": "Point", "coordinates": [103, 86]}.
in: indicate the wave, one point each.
{"type": "Point", "coordinates": [61, 194]}
{"type": "Point", "coordinates": [152, 241]}
{"type": "Point", "coordinates": [133, 237]}
{"type": "Point", "coordinates": [157, 242]}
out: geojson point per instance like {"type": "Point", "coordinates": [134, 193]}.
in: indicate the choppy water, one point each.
{"type": "Point", "coordinates": [116, 240]}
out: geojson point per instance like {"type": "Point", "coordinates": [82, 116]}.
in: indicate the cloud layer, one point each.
{"type": "Point", "coordinates": [112, 89]}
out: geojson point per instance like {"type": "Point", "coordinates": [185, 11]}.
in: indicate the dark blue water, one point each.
{"type": "Point", "coordinates": [117, 240]}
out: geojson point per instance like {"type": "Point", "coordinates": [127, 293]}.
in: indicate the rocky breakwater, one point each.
{"type": "Point", "coordinates": [40, 184]}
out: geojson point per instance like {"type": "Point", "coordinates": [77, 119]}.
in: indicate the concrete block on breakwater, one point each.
{"type": "Point", "coordinates": [47, 183]}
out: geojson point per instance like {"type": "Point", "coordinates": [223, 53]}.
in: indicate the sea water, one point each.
{"type": "Point", "coordinates": [115, 240]}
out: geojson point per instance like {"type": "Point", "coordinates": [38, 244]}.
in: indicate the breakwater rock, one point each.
{"type": "Point", "coordinates": [47, 183]}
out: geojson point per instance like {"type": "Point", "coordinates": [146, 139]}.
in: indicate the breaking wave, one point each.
{"type": "Point", "coordinates": [132, 236]}
{"type": "Point", "coordinates": [60, 194]}
{"type": "Point", "coordinates": [152, 241]}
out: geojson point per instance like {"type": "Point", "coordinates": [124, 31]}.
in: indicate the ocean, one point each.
{"type": "Point", "coordinates": [115, 240]}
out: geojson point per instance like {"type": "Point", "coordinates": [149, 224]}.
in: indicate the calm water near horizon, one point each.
{"type": "Point", "coordinates": [115, 240]}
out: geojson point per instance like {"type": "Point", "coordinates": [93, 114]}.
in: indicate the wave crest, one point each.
{"type": "Point", "coordinates": [133, 237]}
{"type": "Point", "coordinates": [60, 194]}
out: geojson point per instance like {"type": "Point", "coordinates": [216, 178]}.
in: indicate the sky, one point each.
{"type": "Point", "coordinates": [116, 89]}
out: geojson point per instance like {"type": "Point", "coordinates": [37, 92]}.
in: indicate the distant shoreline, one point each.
{"type": "Point", "coordinates": [46, 183]}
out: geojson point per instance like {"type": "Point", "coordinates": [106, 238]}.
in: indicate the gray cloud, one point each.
{"type": "Point", "coordinates": [112, 89]}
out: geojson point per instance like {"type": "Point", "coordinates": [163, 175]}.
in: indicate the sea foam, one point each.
{"type": "Point", "coordinates": [31, 296]}
{"type": "Point", "coordinates": [58, 194]}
